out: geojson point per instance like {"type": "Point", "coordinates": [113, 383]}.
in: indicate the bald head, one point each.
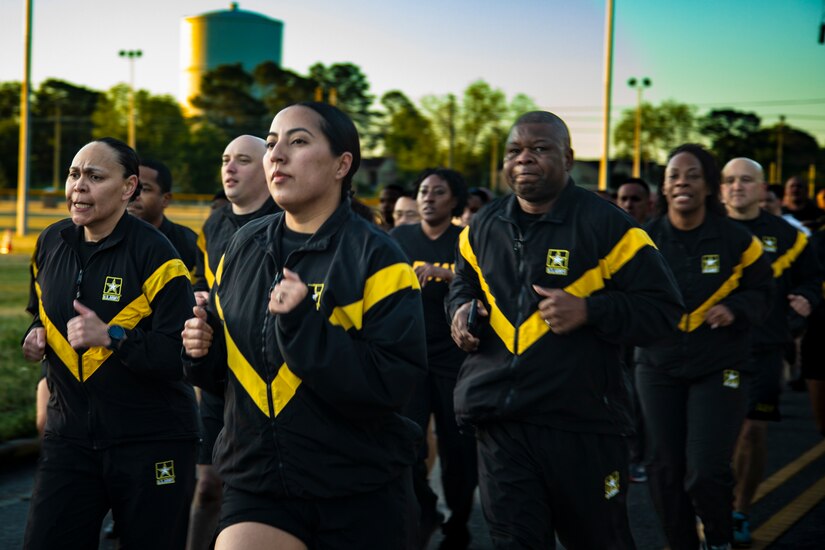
{"type": "Point", "coordinates": [242, 174]}
{"type": "Point", "coordinates": [743, 187]}
{"type": "Point", "coordinates": [744, 164]}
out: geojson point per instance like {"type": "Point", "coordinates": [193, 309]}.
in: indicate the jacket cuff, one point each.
{"type": "Point", "coordinates": [290, 322]}
{"type": "Point", "coordinates": [596, 309]}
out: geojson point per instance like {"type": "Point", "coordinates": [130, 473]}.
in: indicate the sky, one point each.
{"type": "Point", "coordinates": [751, 55]}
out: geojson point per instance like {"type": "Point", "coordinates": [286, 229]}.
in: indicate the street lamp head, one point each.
{"type": "Point", "coordinates": [646, 82]}
{"type": "Point", "coordinates": [631, 82]}
{"type": "Point", "coordinates": [131, 54]}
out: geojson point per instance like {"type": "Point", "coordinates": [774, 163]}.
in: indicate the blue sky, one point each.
{"type": "Point", "coordinates": [758, 55]}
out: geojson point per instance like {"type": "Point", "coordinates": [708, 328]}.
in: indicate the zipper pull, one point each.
{"type": "Point", "coordinates": [77, 284]}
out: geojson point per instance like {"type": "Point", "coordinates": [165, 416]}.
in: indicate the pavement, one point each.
{"type": "Point", "coordinates": [789, 513]}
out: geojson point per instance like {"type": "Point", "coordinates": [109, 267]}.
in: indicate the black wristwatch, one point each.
{"type": "Point", "coordinates": [117, 334]}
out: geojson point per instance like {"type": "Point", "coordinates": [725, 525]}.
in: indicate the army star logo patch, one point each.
{"type": "Point", "coordinates": [710, 263]}
{"type": "Point", "coordinates": [557, 260]}
{"type": "Point", "coordinates": [112, 289]}
{"type": "Point", "coordinates": [611, 485]}
{"type": "Point", "coordinates": [165, 472]}
{"type": "Point", "coordinates": [730, 378]}
{"type": "Point", "coordinates": [769, 243]}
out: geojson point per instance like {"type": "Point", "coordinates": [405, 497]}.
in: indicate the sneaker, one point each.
{"type": "Point", "coordinates": [741, 531]}
{"type": "Point", "coordinates": [637, 473]}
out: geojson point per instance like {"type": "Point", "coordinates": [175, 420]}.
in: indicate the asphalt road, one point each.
{"type": "Point", "coordinates": [788, 493]}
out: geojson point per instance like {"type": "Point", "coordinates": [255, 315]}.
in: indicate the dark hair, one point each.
{"type": "Point", "coordinates": [638, 181]}
{"type": "Point", "coordinates": [710, 173]}
{"type": "Point", "coordinates": [454, 180]}
{"type": "Point", "coordinates": [778, 189]}
{"type": "Point", "coordinates": [546, 117]}
{"type": "Point", "coordinates": [342, 136]}
{"type": "Point", "coordinates": [164, 175]}
{"type": "Point", "coordinates": [127, 158]}
{"type": "Point", "coordinates": [394, 187]}
{"type": "Point", "coordinates": [482, 193]}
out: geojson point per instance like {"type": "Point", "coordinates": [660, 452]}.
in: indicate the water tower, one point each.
{"type": "Point", "coordinates": [225, 37]}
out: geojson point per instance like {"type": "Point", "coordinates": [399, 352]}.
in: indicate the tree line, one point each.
{"type": "Point", "coordinates": [460, 131]}
{"type": "Point", "coordinates": [466, 132]}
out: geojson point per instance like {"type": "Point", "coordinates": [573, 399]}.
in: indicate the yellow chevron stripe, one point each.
{"type": "Point", "coordinates": [55, 340]}
{"type": "Point", "coordinates": [785, 260]}
{"type": "Point", "coordinates": [378, 286]}
{"type": "Point", "coordinates": [283, 387]}
{"type": "Point", "coordinates": [207, 272]}
{"type": "Point", "coordinates": [696, 318]}
{"type": "Point", "coordinates": [593, 280]}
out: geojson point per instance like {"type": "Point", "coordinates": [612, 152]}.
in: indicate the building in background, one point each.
{"type": "Point", "coordinates": [225, 37]}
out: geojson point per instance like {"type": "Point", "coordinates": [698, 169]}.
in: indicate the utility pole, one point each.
{"type": "Point", "coordinates": [779, 143]}
{"type": "Point", "coordinates": [58, 131]}
{"type": "Point", "coordinates": [637, 136]}
{"type": "Point", "coordinates": [608, 82]}
{"type": "Point", "coordinates": [25, 119]}
{"type": "Point", "coordinates": [131, 55]}
{"type": "Point", "coordinates": [451, 115]}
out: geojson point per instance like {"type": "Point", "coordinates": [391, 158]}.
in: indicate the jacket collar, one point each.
{"type": "Point", "coordinates": [319, 240]}
{"type": "Point", "coordinates": [73, 234]}
{"type": "Point", "coordinates": [557, 213]}
{"type": "Point", "coordinates": [710, 228]}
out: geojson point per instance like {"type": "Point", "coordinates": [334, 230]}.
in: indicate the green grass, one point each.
{"type": "Point", "coordinates": [18, 377]}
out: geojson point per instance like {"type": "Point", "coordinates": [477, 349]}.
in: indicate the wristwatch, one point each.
{"type": "Point", "coordinates": [117, 334]}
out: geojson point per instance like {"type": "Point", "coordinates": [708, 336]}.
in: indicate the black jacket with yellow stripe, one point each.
{"type": "Point", "coordinates": [726, 267]}
{"type": "Point", "coordinates": [185, 242]}
{"type": "Point", "coordinates": [135, 279]}
{"type": "Point", "coordinates": [523, 371]}
{"type": "Point", "coordinates": [795, 271]}
{"type": "Point", "coordinates": [312, 396]}
{"type": "Point", "coordinates": [215, 235]}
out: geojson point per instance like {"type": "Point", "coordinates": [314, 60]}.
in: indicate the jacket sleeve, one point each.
{"type": "Point", "coordinates": [751, 300]}
{"type": "Point", "coordinates": [465, 287]}
{"type": "Point", "coordinates": [152, 348]}
{"type": "Point", "coordinates": [641, 302]}
{"type": "Point", "coordinates": [366, 357]}
{"type": "Point", "coordinates": [209, 372]}
{"type": "Point", "coordinates": [807, 274]}
{"type": "Point", "coordinates": [199, 283]}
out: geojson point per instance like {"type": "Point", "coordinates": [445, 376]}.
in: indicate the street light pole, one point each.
{"type": "Point", "coordinates": [608, 82]}
{"type": "Point", "coordinates": [131, 55]}
{"type": "Point", "coordinates": [779, 146]}
{"type": "Point", "coordinates": [25, 119]}
{"type": "Point", "coordinates": [637, 137]}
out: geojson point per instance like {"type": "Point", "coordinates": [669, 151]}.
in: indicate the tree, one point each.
{"type": "Point", "coordinates": [160, 129]}
{"type": "Point", "coordinates": [731, 133]}
{"type": "Point", "coordinates": [9, 132]}
{"type": "Point", "coordinates": [278, 88]}
{"type": "Point", "coordinates": [351, 91]}
{"type": "Point", "coordinates": [468, 131]}
{"type": "Point", "coordinates": [663, 128]}
{"type": "Point", "coordinates": [408, 136]}
{"type": "Point", "coordinates": [799, 151]}
{"type": "Point", "coordinates": [227, 101]}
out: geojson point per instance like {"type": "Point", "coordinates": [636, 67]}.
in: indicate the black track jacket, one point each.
{"type": "Point", "coordinates": [312, 396]}
{"type": "Point", "coordinates": [729, 268]}
{"type": "Point", "coordinates": [795, 270]}
{"type": "Point", "coordinates": [524, 372]}
{"type": "Point", "coordinates": [185, 242]}
{"type": "Point", "coordinates": [214, 237]}
{"type": "Point", "coordinates": [134, 279]}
